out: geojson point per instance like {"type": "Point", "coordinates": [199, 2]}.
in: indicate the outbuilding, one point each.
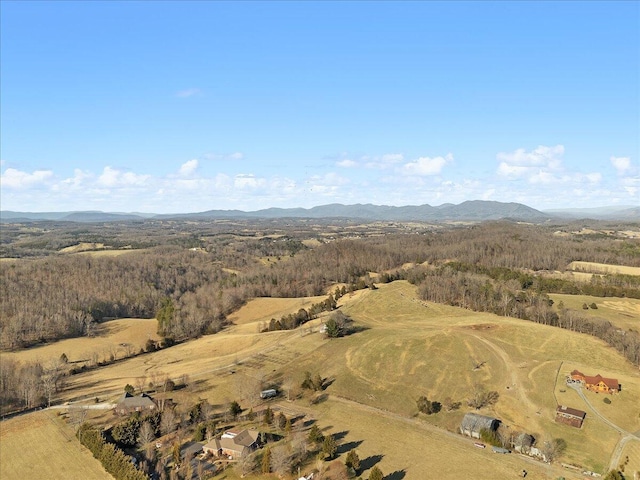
{"type": "Point", "coordinates": [472, 424]}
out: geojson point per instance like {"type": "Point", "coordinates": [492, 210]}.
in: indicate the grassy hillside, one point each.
{"type": "Point", "coordinates": [622, 312]}
{"type": "Point", "coordinates": [113, 336]}
{"type": "Point", "coordinates": [406, 348]}
{"type": "Point", "coordinates": [40, 445]}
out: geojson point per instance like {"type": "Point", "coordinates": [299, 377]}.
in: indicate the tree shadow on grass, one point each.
{"type": "Point", "coordinates": [356, 329]}
{"type": "Point", "coordinates": [369, 462]}
{"type": "Point", "coordinates": [340, 435]}
{"type": "Point", "coordinates": [346, 447]}
{"type": "Point", "coordinates": [397, 475]}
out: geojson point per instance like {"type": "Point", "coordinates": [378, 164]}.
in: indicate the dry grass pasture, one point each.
{"type": "Point", "coordinates": [264, 309]}
{"type": "Point", "coordinates": [112, 335]}
{"type": "Point", "coordinates": [41, 445]}
{"type": "Point", "coordinates": [622, 312]}
{"type": "Point", "coordinates": [592, 267]}
{"type": "Point", "coordinates": [632, 451]}
{"type": "Point", "coordinates": [406, 348]}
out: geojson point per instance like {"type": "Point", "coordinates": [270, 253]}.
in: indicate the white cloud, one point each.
{"type": "Point", "coordinates": [549, 157]}
{"type": "Point", "coordinates": [594, 177]}
{"type": "Point", "coordinates": [425, 166]}
{"type": "Point", "coordinates": [346, 163]}
{"type": "Point", "coordinates": [387, 160]}
{"type": "Point", "coordinates": [236, 156]}
{"type": "Point", "coordinates": [115, 178]}
{"type": "Point", "coordinates": [539, 166]}
{"type": "Point", "coordinates": [13, 178]}
{"type": "Point", "coordinates": [189, 92]}
{"type": "Point", "coordinates": [79, 178]}
{"type": "Point", "coordinates": [621, 164]}
{"type": "Point", "coordinates": [188, 167]}
{"type": "Point", "coordinates": [248, 181]}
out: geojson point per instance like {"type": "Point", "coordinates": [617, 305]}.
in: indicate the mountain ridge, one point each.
{"type": "Point", "coordinates": [471, 210]}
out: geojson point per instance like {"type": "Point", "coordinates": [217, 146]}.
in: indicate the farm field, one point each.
{"type": "Point", "coordinates": [592, 267]}
{"type": "Point", "coordinates": [407, 348]}
{"type": "Point", "coordinates": [41, 445]}
{"type": "Point", "coordinates": [264, 309]}
{"type": "Point", "coordinates": [622, 312]}
{"type": "Point", "coordinates": [113, 336]}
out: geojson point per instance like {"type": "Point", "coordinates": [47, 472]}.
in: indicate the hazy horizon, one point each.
{"type": "Point", "coordinates": [178, 107]}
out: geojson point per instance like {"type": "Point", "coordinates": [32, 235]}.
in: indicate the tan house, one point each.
{"type": "Point", "coordinates": [234, 444]}
{"type": "Point", "coordinates": [570, 416]}
{"type": "Point", "coordinates": [598, 384]}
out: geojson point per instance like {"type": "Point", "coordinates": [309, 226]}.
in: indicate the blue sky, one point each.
{"type": "Point", "coordinates": [185, 107]}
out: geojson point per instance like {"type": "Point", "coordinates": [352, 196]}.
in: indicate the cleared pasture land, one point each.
{"type": "Point", "coordinates": [264, 309]}
{"type": "Point", "coordinates": [41, 445]}
{"type": "Point", "coordinates": [622, 312]}
{"type": "Point", "coordinates": [632, 451]}
{"type": "Point", "coordinates": [113, 336]}
{"type": "Point", "coordinates": [592, 267]}
{"type": "Point", "coordinates": [406, 348]}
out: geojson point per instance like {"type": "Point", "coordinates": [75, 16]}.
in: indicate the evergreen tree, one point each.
{"type": "Point", "coordinates": [353, 461]}
{"type": "Point", "coordinates": [329, 447]}
{"type": "Point", "coordinates": [376, 474]}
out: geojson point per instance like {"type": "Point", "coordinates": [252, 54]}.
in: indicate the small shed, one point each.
{"type": "Point", "coordinates": [270, 393]}
{"type": "Point", "coordinates": [472, 424]}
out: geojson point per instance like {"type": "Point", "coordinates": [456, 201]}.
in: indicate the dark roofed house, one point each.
{"type": "Point", "coordinates": [234, 445]}
{"type": "Point", "coordinates": [473, 423]}
{"type": "Point", "coordinates": [128, 404]}
{"type": "Point", "coordinates": [570, 416]}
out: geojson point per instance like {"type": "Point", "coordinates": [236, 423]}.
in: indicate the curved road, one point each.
{"type": "Point", "coordinates": [625, 435]}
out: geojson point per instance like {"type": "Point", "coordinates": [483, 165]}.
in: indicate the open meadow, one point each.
{"type": "Point", "coordinates": [405, 348]}
{"type": "Point", "coordinates": [41, 445]}
{"type": "Point", "coordinates": [111, 337]}
{"type": "Point", "coordinates": [624, 313]}
{"type": "Point", "coordinates": [602, 268]}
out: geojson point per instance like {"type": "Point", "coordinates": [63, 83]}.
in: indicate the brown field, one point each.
{"type": "Point", "coordinates": [592, 267]}
{"type": "Point", "coordinates": [264, 309]}
{"type": "Point", "coordinates": [111, 336]}
{"type": "Point", "coordinates": [41, 445]}
{"type": "Point", "coordinates": [631, 450]}
{"type": "Point", "coordinates": [108, 253]}
{"type": "Point", "coordinates": [622, 312]}
{"type": "Point", "coordinates": [406, 348]}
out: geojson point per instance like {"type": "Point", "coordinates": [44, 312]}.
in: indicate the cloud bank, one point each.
{"type": "Point", "coordinates": [539, 177]}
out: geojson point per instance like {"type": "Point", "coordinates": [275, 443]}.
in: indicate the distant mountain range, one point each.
{"type": "Point", "coordinates": [475, 210]}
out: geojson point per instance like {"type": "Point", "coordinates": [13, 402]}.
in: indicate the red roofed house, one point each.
{"type": "Point", "coordinates": [598, 383]}
{"type": "Point", "coordinates": [570, 416]}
